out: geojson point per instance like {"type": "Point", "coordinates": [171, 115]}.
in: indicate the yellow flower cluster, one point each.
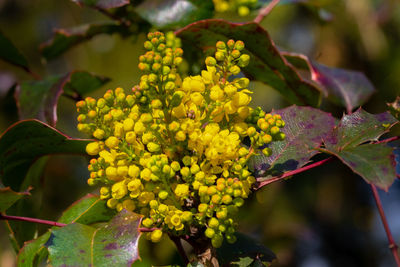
{"type": "Point", "coordinates": [173, 150]}
{"type": "Point", "coordinates": [242, 7]}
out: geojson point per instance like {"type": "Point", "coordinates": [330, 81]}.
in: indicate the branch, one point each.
{"type": "Point", "coordinates": [290, 173]}
{"type": "Point", "coordinates": [391, 139]}
{"type": "Point", "coordinates": [392, 245]}
{"type": "Point", "coordinates": [33, 220]}
{"type": "Point", "coordinates": [265, 11]}
{"type": "Point", "coordinates": [146, 230]}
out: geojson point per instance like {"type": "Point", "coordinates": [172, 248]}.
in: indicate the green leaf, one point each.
{"type": "Point", "coordinates": [8, 197]}
{"type": "Point", "coordinates": [243, 249]}
{"type": "Point", "coordinates": [305, 128]}
{"type": "Point", "coordinates": [26, 141]}
{"type": "Point", "coordinates": [115, 244]}
{"type": "Point", "coordinates": [172, 13]}
{"type": "Point", "coordinates": [10, 54]}
{"type": "Point", "coordinates": [266, 63]}
{"type": "Point", "coordinates": [87, 210]}
{"type": "Point", "coordinates": [33, 251]}
{"type": "Point", "coordinates": [357, 128]}
{"type": "Point", "coordinates": [374, 162]}
{"type": "Point", "coordinates": [344, 87]}
{"type": "Point", "coordinates": [38, 99]}
{"type": "Point", "coordinates": [64, 39]}
{"type": "Point", "coordinates": [102, 4]}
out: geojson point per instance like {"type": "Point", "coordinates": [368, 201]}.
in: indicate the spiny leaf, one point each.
{"type": "Point", "coordinates": [8, 197]}
{"type": "Point", "coordinates": [305, 128]}
{"type": "Point", "coordinates": [357, 128]}
{"type": "Point", "coordinates": [64, 39]}
{"type": "Point", "coordinates": [102, 4]}
{"type": "Point", "coordinates": [26, 141]}
{"type": "Point", "coordinates": [172, 13]}
{"type": "Point", "coordinates": [244, 247]}
{"type": "Point", "coordinates": [266, 64]}
{"type": "Point", "coordinates": [11, 54]}
{"type": "Point", "coordinates": [115, 244]}
{"type": "Point", "coordinates": [373, 162]}
{"type": "Point", "coordinates": [38, 99]}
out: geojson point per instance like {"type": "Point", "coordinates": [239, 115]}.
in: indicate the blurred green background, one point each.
{"type": "Point", "coordinates": [322, 218]}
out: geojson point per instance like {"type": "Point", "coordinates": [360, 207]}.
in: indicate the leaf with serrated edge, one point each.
{"type": "Point", "coordinates": [115, 244]}
{"type": "Point", "coordinates": [373, 162]}
{"type": "Point", "coordinates": [357, 128]}
{"type": "Point", "coordinates": [266, 63]}
{"type": "Point", "coordinates": [305, 128]}
{"type": "Point", "coordinates": [25, 141]}
{"type": "Point", "coordinates": [8, 197]}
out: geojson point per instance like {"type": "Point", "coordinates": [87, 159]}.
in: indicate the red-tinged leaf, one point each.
{"type": "Point", "coordinates": [172, 13]}
{"type": "Point", "coordinates": [266, 64]}
{"type": "Point", "coordinates": [348, 141]}
{"type": "Point", "coordinates": [64, 39]}
{"type": "Point", "coordinates": [102, 4]}
{"type": "Point", "coordinates": [8, 197]}
{"type": "Point", "coordinates": [347, 88]}
{"type": "Point", "coordinates": [115, 244]}
{"type": "Point", "coordinates": [24, 142]}
{"type": "Point", "coordinates": [10, 54]}
{"type": "Point", "coordinates": [305, 128]}
{"type": "Point", "coordinates": [33, 252]}
{"type": "Point", "coordinates": [38, 99]}
{"type": "Point", "coordinates": [373, 162]}
{"type": "Point", "coordinates": [357, 128]}
{"type": "Point", "coordinates": [87, 210]}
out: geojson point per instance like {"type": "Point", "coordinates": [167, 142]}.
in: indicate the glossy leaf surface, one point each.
{"type": "Point", "coordinates": [26, 141]}
{"type": "Point", "coordinates": [266, 63]}
{"type": "Point", "coordinates": [103, 4]}
{"type": "Point", "coordinates": [115, 244]}
{"type": "Point", "coordinates": [38, 99]}
{"type": "Point", "coordinates": [171, 13]}
{"type": "Point", "coordinates": [305, 128]}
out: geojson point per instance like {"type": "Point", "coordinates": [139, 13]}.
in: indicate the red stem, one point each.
{"type": "Point", "coordinates": [265, 11]}
{"type": "Point", "coordinates": [290, 173]}
{"type": "Point", "coordinates": [146, 230]}
{"type": "Point", "coordinates": [391, 139]}
{"type": "Point", "coordinates": [27, 219]}
{"type": "Point", "coordinates": [392, 245]}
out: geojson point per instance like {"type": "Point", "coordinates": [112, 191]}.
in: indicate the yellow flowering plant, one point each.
{"type": "Point", "coordinates": [174, 148]}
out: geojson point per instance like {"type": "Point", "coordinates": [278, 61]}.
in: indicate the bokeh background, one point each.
{"type": "Point", "coordinates": [325, 217]}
